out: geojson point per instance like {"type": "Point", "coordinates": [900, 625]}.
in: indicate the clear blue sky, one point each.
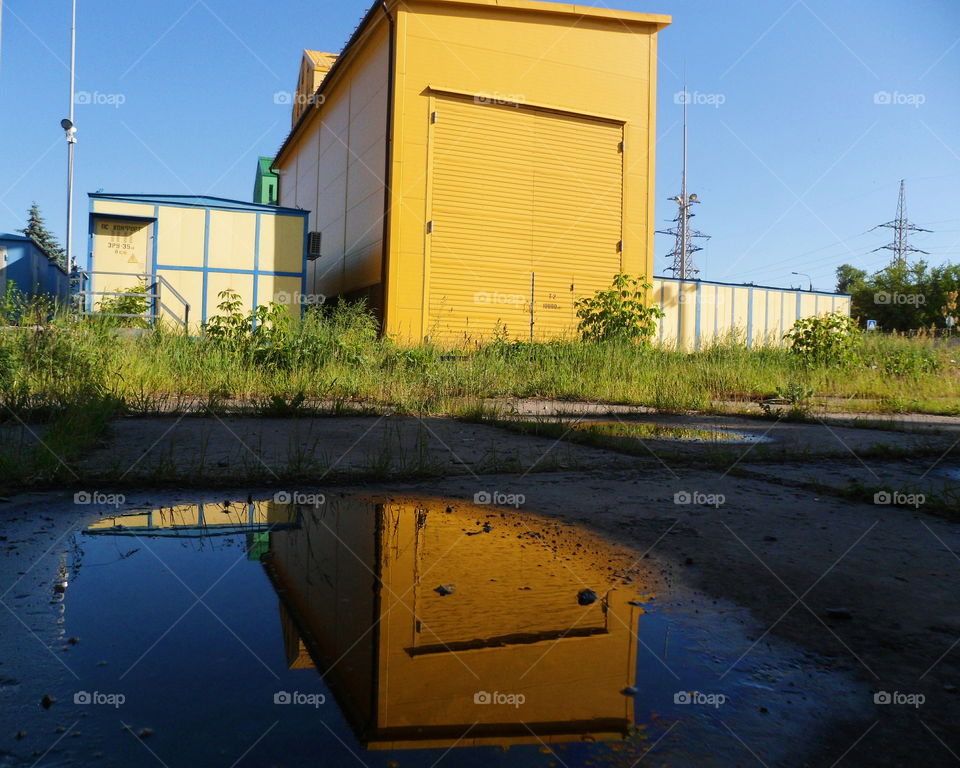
{"type": "Point", "coordinates": [792, 168]}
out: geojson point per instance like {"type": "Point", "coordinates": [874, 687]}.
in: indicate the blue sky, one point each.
{"type": "Point", "coordinates": [794, 151]}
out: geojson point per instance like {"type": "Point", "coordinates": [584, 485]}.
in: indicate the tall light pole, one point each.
{"type": "Point", "coordinates": [71, 133]}
{"type": "Point", "coordinates": [683, 248]}
{"type": "Point", "coordinates": [809, 279]}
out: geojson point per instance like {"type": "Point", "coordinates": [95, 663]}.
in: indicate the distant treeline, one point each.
{"type": "Point", "coordinates": [903, 297]}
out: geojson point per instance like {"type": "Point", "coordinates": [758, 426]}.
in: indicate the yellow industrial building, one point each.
{"type": "Point", "coordinates": [472, 165]}
{"type": "Point", "coordinates": [471, 168]}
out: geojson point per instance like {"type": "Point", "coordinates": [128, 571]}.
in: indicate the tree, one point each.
{"type": "Point", "coordinates": [902, 297]}
{"type": "Point", "coordinates": [45, 240]}
{"type": "Point", "coordinates": [849, 278]}
{"type": "Point", "coordinates": [619, 313]}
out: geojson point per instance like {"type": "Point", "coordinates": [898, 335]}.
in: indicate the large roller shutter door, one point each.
{"type": "Point", "coordinates": [525, 204]}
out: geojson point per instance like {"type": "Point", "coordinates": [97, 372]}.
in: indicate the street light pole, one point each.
{"type": "Point", "coordinates": [804, 274]}
{"type": "Point", "coordinates": [71, 132]}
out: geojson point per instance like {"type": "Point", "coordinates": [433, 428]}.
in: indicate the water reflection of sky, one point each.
{"type": "Point", "coordinates": [300, 633]}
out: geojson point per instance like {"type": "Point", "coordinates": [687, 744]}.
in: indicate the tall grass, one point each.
{"type": "Point", "coordinates": [334, 358]}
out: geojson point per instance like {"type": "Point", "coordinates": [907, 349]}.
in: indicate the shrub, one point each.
{"type": "Point", "coordinates": [619, 313]}
{"type": "Point", "coordinates": [132, 301]}
{"type": "Point", "coordinates": [830, 339]}
{"type": "Point", "coordinates": [19, 308]}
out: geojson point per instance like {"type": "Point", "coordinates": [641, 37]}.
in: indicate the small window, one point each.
{"type": "Point", "coordinates": [314, 240]}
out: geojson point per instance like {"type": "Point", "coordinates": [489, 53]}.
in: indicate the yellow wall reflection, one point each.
{"type": "Point", "coordinates": [509, 656]}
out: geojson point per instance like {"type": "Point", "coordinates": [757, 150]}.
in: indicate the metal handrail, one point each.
{"type": "Point", "coordinates": [154, 285]}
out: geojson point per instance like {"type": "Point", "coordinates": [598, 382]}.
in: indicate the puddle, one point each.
{"type": "Point", "coordinates": [653, 431]}
{"type": "Point", "coordinates": [394, 632]}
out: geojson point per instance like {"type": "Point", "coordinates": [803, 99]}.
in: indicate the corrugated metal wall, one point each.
{"type": "Point", "coordinates": [525, 207]}
{"type": "Point", "coordinates": [335, 171]}
{"type": "Point", "coordinates": [699, 313]}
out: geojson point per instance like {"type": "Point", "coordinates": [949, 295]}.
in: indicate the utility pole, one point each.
{"type": "Point", "coordinates": [71, 133]}
{"type": "Point", "coordinates": [683, 248]}
{"type": "Point", "coordinates": [901, 228]}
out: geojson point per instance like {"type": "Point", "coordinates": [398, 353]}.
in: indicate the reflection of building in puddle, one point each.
{"type": "Point", "coordinates": [253, 518]}
{"type": "Point", "coordinates": [437, 626]}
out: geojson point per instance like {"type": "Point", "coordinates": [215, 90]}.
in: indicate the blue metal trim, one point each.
{"type": "Point", "coordinates": [696, 324]}
{"type": "Point", "coordinates": [256, 271]}
{"type": "Point", "coordinates": [750, 317]}
{"type": "Point", "coordinates": [224, 270]}
{"type": "Point", "coordinates": [123, 216]}
{"type": "Point", "coordinates": [155, 311]}
{"type": "Point", "coordinates": [182, 201]}
{"type": "Point", "coordinates": [89, 301]}
{"type": "Point", "coordinates": [206, 262]}
{"type": "Point", "coordinates": [304, 261]}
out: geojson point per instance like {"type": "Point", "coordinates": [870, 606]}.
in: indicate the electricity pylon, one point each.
{"type": "Point", "coordinates": [901, 228]}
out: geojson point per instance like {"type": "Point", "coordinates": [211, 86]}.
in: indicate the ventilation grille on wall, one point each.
{"type": "Point", "coordinates": [314, 240]}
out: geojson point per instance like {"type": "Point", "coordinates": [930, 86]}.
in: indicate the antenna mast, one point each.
{"type": "Point", "coordinates": [683, 248]}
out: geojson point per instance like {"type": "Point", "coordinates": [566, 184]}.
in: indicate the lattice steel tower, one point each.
{"type": "Point", "coordinates": [683, 249]}
{"type": "Point", "coordinates": [901, 229]}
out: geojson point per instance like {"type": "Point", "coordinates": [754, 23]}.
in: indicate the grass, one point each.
{"type": "Point", "coordinates": [336, 362]}
{"type": "Point", "coordinates": [68, 379]}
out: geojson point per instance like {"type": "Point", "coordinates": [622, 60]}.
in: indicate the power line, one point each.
{"type": "Point", "coordinates": [779, 264]}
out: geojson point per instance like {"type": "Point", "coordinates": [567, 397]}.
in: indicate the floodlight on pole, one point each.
{"type": "Point", "coordinates": [681, 256]}
{"type": "Point", "coordinates": [70, 129]}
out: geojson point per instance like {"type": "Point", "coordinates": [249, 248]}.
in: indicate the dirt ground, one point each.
{"type": "Point", "coordinates": [873, 588]}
